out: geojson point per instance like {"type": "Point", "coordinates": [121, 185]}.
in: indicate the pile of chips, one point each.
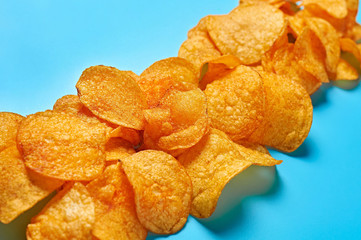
{"type": "Point", "coordinates": [131, 154]}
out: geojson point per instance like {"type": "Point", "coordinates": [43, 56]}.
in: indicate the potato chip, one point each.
{"type": "Point", "coordinates": [115, 214]}
{"type": "Point", "coordinates": [211, 164]}
{"type": "Point", "coordinates": [128, 134]}
{"type": "Point", "coordinates": [217, 68]}
{"type": "Point", "coordinates": [20, 189]}
{"type": "Point", "coordinates": [236, 102]}
{"type": "Point", "coordinates": [248, 31]}
{"type": "Point", "coordinates": [68, 103]}
{"type": "Point", "coordinates": [62, 145]}
{"type": "Point", "coordinates": [69, 215]}
{"type": "Point", "coordinates": [346, 71]}
{"type": "Point", "coordinates": [310, 54]}
{"type": "Point", "coordinates": [162, 190]}
{"type": "Point", "coordinates": [117, 149]}
{"type": "Point", "coordinates": [179, 122]}
{"type": "Point", "coordinates": [9, 123]}
{"type": "Point", "coordinates": [288, 114]}
{"type": "Point", "coordinates": [336, 8]}
{"type": "Point", "coordinates": [112, 95]}
{"type": "Point", "coordinates": [348, 45]}
{"type": "Point", "coordinates": [355, 32]}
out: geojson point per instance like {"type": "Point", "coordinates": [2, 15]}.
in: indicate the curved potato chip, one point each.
{"type": "Point", "coordinates": [211, 164]}
{"type": "Point", "coordinates": [118, 148]}
{"type": "Point", "coordinates": [68, 103]}
{"type": "Point", "coordinates": [9, 123]}
{"type": "Point", "coordinates": [20, 189]}
{"type": "Point", "coordinates": [69, 215]}
{"type": "Point", "coordinates": [310, 54]}
{"type": "Point", "coordinates": [112, 95]}
{"type": "Point", "coordinates": [198, 50]}
{"type": "Point", "coordinates": [288, 114]}
{"type": "Point", "coordinates": [217, 68]}
{"type": "Point", "coordinates": [115, 214]}
{"type": "Point", "coordinates": [248, 31]}
{"type": "Point", "coordinates": [62, 146]}
{"type": "Point", "coordinates": [162, 190]}
{"type": "Point", "coordinates": [336, 8]}
{"type": "Point", "coordinates": [346, 71]}
{"type": "Point", "coordinates": [236, 102]}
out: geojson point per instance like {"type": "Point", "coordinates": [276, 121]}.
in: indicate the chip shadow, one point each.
{"type": "Point", "coordinates": [255, 181]}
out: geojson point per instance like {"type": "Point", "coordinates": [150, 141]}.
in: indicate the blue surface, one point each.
{"type": "Point", "coordinates": [45, 45]}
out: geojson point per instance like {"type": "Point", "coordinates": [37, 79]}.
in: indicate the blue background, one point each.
{"type": "Point", "coordinates": [45, 45]}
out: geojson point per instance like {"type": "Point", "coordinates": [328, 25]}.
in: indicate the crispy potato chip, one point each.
{"type": "Point", "coordinates": [179, 122]}
{"type": "Point", "coordinates": [162, 190]}
{"type": "Point", "coordinates": [112, 95]}
{"type": "Point", "coordinates": [9, 123]}
{"type": "Point", "coordinates": [248, 31]}
{"type": "Point", "coordinates": [346, 71]}
{"type": "Point", "coordinates": [118, 148]}
{"type": "Point", "coordinates": [211, 164]}
{"type": "Point", "coordinates": [288, 114]}
{"type": "Point", "coordinates": [68, 103]}
{"type": "Point", "coordinates": [336, 8]}
{"type": "Point", "coordinates": [175, 68]}
{"type": "Point", "coordinates": [69, 215]}
{"type": "Point", "coordinates": [62, 145]}
{"type": "Point", "coordinates": [20, 189]}
{"type": "Point", "coordinates": [115, 214]}
{"type": "Point", "coordinates": [236, 102]}
{"type": "Point", "coordinates": [217, 68]}
{"type": "Point", "coordinates": [310, 54]}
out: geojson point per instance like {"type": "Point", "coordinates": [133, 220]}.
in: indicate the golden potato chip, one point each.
{"type": "Point", "coordinates": [20, 189]}
{"type": "Point", "coordinates": [62, 145]}
{"type": "Point", "coordinates": [68, 103]}
{"type": "Point", "coordinates": [115, 214]}
{"type": "Point", "coordinates": [175, 68]}
{"type": "Point", "coordinates": [162, 190]}
{"type": "Point", "coordinates": [288, 114]}
{"type": "Point", "coordinates": [310, 54]}
{"type": "Point", "coordinates": [179, 122]}
{"type": "Point", "coordinates": [112, 95]}
{"type": "Point", "coordinates": [336, 8]}
{"type": "Point", "coordinates": [217, 68]}
{"type": "Point", "coordinates": [211, 164]}
{"type": "Point", "coordinates": [236, 102]}
{"type": "Point", "coordinates": [9, 123]}
{"type": "Point", "coordinates": [346, 71]}
{"type": "Point", "coordinates": [248, 31]}
{"type": "Point", "coordinates": [69, 215]}
{"type": "Point", "coordinates": [198, 50]}
{"type": "Point", "coordinates": [118, 148]}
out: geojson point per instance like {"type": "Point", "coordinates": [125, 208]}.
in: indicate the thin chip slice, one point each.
{"type": "Point", "coordinates": [69, 215]}
{"type": "Point", "coordinates": [115, 214]}
{"type": "Point", "coordinates": [236, 102]}
{"type": "Point", "coordinates": [248, 31]}
{"type": "Point", "coordinates": [211, 164]}
{"type": "Point", "coordinates": [346, 71]}
{"type": "Point", "coordinates": [62, 145]}
{"type": "Point", "coordinates": [117, 149]}
{"type": "Point", "coordinates": [162, 190]}
{"type": "Point", "coordinates": [217, 68]}
{"type": "Point", "coordinates": [288, 114]}
{"type": "Point", "coordinates": [9, 123]}
{"type": "Point", "coordinates": [20, 189]}
{"type": "Point", "coordinates": [68, 103]}
{"type": "Point", "coordinates": [112, 95]}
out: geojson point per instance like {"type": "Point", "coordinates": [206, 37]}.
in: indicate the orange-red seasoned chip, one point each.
{"type": "Point", "coordinates": [212, 163]}
{"type": "Point", "coordinates": [336, 8]}
{"type": "Point", "coordinates": [9, 123]}
{"type": "Point", "coordinates": [115, 214]}
{"type": "Point", "coordinates": [117, 149]}
{"type": "Point", "coordinates": [236, 102]}
{"type": "Point", "coordinates": [20, 188]}
{"type": "Point", "coordinates": [63, 146]}
{"type": "Point", "coordinates": [288, 114]}
{"type": "Point", "coordinates": [162, 190]}
{"type": "Point", "coordinates": [69, 215]}
{"type": "Point", "coordinates": [112, 95]}
{"type": "Point", "coordinates": [346, 71]}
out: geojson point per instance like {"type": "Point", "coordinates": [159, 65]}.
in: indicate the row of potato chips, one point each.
{"type": "Point", "coordinates": [131, 154]}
